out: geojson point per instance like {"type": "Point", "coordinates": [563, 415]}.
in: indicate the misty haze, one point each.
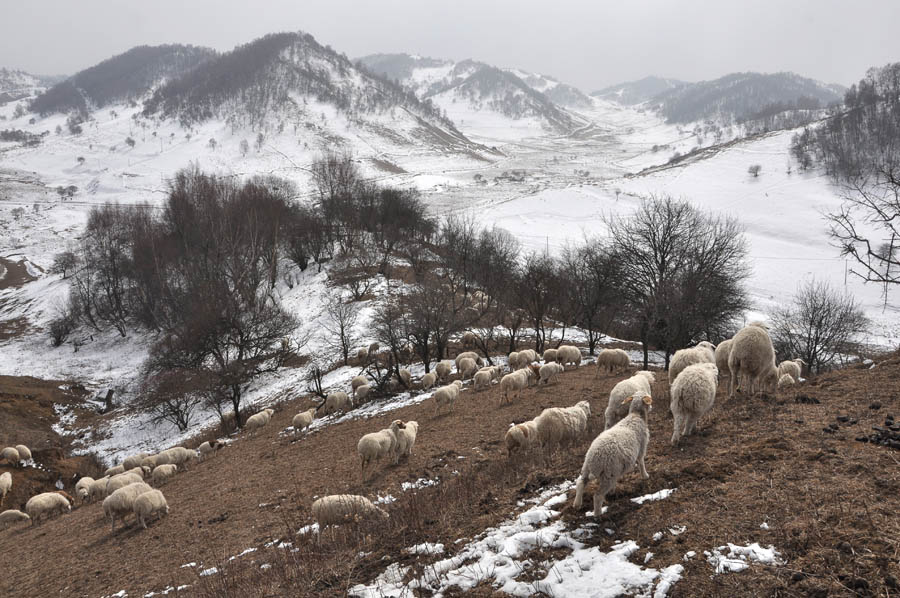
{"type": "Point", "coordinates": [462, 299]}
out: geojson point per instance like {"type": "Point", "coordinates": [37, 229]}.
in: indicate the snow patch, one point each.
{"type": "Point", "coordinates": [666, 493]}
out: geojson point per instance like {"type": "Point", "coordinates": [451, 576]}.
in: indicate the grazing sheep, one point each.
{"type": "Point", "coordinates": [752, 357]}
{"type": "Point", "coordinates": [466, 367]}
{"type": "Point", "coordinates": [344, 508]}
{"type": "Point", "coordinates": [482, 378]}
{"type": "Point", "coordinates": [514, 361]}
{"type": "Point", "coordinates": [362, 354]}
{"type": "Point", "coordinates": [557, 426]}
{"type": "Point", "coordinates": [550, 355]}
{"type": "Point", "coordinates": [406, 439]}
{"type": "Point", "coordinates": [693, 395]}
{"type": "Point", "coordinates": [443, 369]}
{"type": "Point", "coordinates": [522, 438]}
{"type": "Point", "coordinates": [83, 488]}
{"type": "Point", "coordinates": [303, 420]}
{"type": "Point", "coordinates": [5, 485]}
{"type": "Point", "coordinates": [615, 452]}
{"type": "Point", "coordinates": [7, 518]}
{"type": "Point", "coordinates": [791, 368]}
{"type": "Point", "coordinates": [208, 449]}
{"type": "Point", "coordinates": [612, 360]}
{"type": "Point", "coordinates": [121, 480]}
{"type": "Point", "coordinates": [66, 496]}
{"type": "Point", "coordinates": [150, 461]}
{"type": "Point", "coordinates": [617, 408]}
{"type": "Point", "coordinates": [468, 339]}
{"type": "Point", "coordinates": [567, 354]}
{"type": "Point", "coordinates": [120, 503]}
{"type": "Point", "coordinates": [133, 461]}
{"type": "Point", "coordinates": [527, 356]}
{"type": "Point", "coordinates": [362, 393]}
{"type": "Point", "coordinates": [428, 380]}
{"type": "Point", "coordinates": [786, 380]}
{"type": "Point", "coordinates": [11, 455]}
{"type": "Point", "coordinates": [149, 504]}
{"type": "Point", "coordinates": [514, 382]}
{"type": "Point", "coordinates": [162, 473]}
{"type": "Point", "coordinates": [46, 504]}
{"type": "Point", "coordinates": [446, 395]}
{"type": "Point", "coordinates": [723, 350]}
{"type": "Point", "coordinates": [373, 349]}
{"type": "Point", "coordinates": [337, 401]}
{"type": "Point", "coordinates": [404, 376]}
{"type": "Point", "coordinates": [549, 372]}
{"type": "Point", "coordinates": [178, 455]}
{"type": "Point", "coordinates": [701, 353]}
{"type": "Point", "coordinates": [358, 381]}
{"type": "Point", "coordinates": [375, 445]}
{"type": "Point", "coordinates": [258, 420]}
{"type": "Point", "coordinates": [24, 452]}
{"type": "Point", "coordinates": [114, 470]}
{"type": "Point", "coordinates": [97, 489]}
{"type": "Point", "coordinates": [468, 355]}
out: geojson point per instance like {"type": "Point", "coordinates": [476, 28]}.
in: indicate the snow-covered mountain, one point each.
{"type": "Point", "coordinates": [16, 84]}
{"type": "Point", "coordinates": [125, 77]}
{"type": "Point", "coordinates": [636, 92]}
{"type": "Point", "coordinates": [481, 99]}
{"type": "Point", "coordinates": [558, 92]}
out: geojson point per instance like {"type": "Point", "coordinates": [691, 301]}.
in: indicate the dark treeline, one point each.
{"type": "Point", "coordinates": [124, 77]}
{"type": "Point", "coordinates": [204, 272]}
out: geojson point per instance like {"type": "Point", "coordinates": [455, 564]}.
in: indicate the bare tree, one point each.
{"type": "Point", "coordinates": [341, 320]}
{"type": "Point", "coordinates": [820, 325]}
{"type": "Point", "coordinates": [173, 396]}
{"type": "Point", "coordinates": [592, 275]}
{"type": "Point", "coordinates": [754, 170]}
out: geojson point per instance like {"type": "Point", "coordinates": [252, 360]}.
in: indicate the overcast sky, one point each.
{"type": "Point", "coordinates": [589, 43]}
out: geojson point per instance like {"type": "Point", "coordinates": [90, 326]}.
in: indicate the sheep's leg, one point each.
{"type": "Point", "coordinates": [599, 496]}
{"type": "Point", "coordinates": [677, 431]}
{"type": "Point", "coordinates": [643, 466]}
{"type": "Point", "coordinates": [579, 493]}
{"type": "Point", "coordinates": [731, 384]}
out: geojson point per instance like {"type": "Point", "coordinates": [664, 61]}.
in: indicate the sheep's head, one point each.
{"type": "Point", "coordinates": [642, 406]}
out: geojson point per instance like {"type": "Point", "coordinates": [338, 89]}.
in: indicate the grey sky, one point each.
{"type": "Point", "coordinates": [590, 44]}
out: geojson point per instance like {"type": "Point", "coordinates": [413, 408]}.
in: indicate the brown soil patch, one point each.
{"type": "Point", "coordinates": [16, 274]}
{"type": "Point", "coordinates": [831, 502]}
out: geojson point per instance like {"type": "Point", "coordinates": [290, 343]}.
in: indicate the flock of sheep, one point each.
{"type": "Point", "coordinates": [693, 376]}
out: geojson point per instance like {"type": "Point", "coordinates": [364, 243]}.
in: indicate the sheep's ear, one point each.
{"type": "Point", "coordinates": [647, 400]}
{"type": "Point", "coordinates": [627, 400]}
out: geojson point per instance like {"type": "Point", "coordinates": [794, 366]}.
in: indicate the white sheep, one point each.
{"type": "Point", "coordinates": [83, 488]}
{"type": "Point", "coordinates": [786, 380]}
{"type": "Point", "coordinates": [513, 360]}
{"type": "Point", "coordinates": [120, 503]}
{"type": "Point", "coordinates": [640, 384]}
{"type": "Point", "coordinates": [208, 449]}
{"type": "Point", "coordinates": [258, 420]}
{"type": "Point", "coordinates": [615, 452]}
{"type": "Point", "coordinates": [375, 445]}
{"type": "Point", "coordinates": [121, 480]}
{"type": "Point", "coordinates": [97, 489]}
{"type": "Point", "coordinates": [752, 357]}
{"type": "Point", "coordinates": [24, 452]}
{"type": "Point", "coordinates": [522, 438]}
{"type": "Point", "coordinates": [446, 395]}
{"type": "Point", "coordinates": [482, 379]}
{"type": "Point", "coordinates": [701, 353]}
{"type": "Point", "coordinates": [5, 485]}
{"type": "Point", "coordinates": [406, 439]}
{"type": "Point", "coordinates": [612, 360]}
{"type": "Point", "coordinates": [558, 426]}
{"type": "Point", "coordinates": [337, 401]}
{"type": "Point", "coordinates": [7, 518]}
{"type": "Point", "coordinates": [514, 382]}
{"type": "Point", "coordinates": [428, 380]}
{"type": "Point", "coordinates": [468, 339]}
{"type": "Point", "coordinates": [11, 455]}
{"type": "Point", "coordinates": [344, 508]}
{"type": "Point", "coordinates": [363, 392]}
{"type": "Point", "coordinates": [148, 504]}
{"type": "Point", "coordinates": [791, 368]}
{"type": "Point", "coordinates": [133, 461]}
{"type": "Point", "coordinates": [114, 470]}
{"type": "Point", "coordinates": [177, 455]}
{"type": "Point", "coordinates": [723, 350]}
{"type": "Point", "coordinates": [362, 354]}
{"type": "Point", "coordinates": [550, 355]}
{"type": "Point", "coordinates": [358, 381]}
{"type": "Point", "coordinates": [303, 420]}
{"type": "Point", "coordinates": [527, 356]}
{"type": "Point", "coordinates": [150, 461]}
{"type": "Point", "coordinates": [163, 473]}
{"type": "Point", "coordinates": [549, 372]}
{"type": "Point", "coordinates": [468, 355]}
{"type": "Point", "coordinates": [443, 369]}
{"type": "Point", "coordinates": [693, 395]}
{"type": "Point", "coordinates": [567, 354]}
{"type": "Point", "coordinates": [405, 376]}
{"type": "Point", "coordinates": [46, 504]}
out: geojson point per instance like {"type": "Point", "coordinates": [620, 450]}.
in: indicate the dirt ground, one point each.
{"type": "Point", "coordinates": [831, 503]}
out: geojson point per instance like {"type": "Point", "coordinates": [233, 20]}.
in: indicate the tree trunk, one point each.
{"type": "Point", "coordinates": [236, 404]}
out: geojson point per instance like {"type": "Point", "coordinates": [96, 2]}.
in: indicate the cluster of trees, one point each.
{"type": "Point", "coordinates": [264, 76]}
{"type": "Point", "coordinates": [122, 77]}
{"type": "Point", "coordinates": [19, 136]}
{"type": "Point", "coordinates": [859, 149]}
